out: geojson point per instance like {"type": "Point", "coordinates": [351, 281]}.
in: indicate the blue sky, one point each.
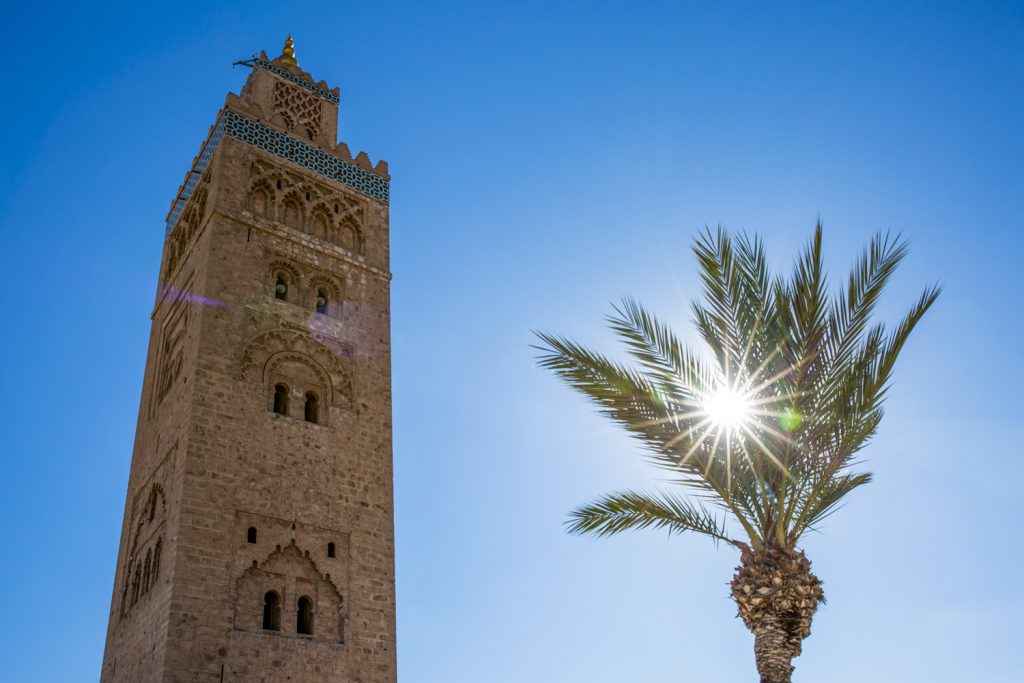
{"type": "Point", "coordinates": [547, 158]}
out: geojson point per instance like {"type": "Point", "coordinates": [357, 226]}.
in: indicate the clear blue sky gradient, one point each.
{"type": "Point", "coordinates": [547, 159]}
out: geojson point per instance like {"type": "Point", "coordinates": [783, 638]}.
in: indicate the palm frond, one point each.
{"type": "Point", "coordinates": [659, 351]}
{"type": "Point", "coordinates": [812, 367]}
{"type": "Point", "coordinates": [618, 512]}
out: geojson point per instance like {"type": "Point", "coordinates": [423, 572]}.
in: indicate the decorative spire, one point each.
{"type": "Point", "coordinates": [288, 54]}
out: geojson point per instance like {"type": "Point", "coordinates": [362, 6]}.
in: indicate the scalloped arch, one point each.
{"type": "Point", "coordinates": [266, 350]}
{"type": "Point", "coordinates": [270, 369]}
{"type": "Point", "coordinates": [277, 266]}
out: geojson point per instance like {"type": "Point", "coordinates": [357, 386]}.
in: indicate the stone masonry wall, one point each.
{"type": "Point", "coordinates": [237, 489]}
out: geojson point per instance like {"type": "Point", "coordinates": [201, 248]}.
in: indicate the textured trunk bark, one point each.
{"type": "Point", "coordinates": [777, 595]}
{"type": "Point", "coordinates": [773, 651]}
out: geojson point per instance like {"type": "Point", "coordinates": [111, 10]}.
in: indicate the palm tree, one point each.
{"type": "Point", "coordinates": [763, 439]}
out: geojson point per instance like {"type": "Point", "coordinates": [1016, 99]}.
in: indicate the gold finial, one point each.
{"type": "Point", "coordinates": [288, 54]}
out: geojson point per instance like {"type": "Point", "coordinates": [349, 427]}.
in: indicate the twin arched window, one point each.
{"type": "Point", "coordinates": [272, 614]}
{"type": "Point", "coordinates": [321, 302]}
{"type": "Point", "coordinates": [310, 409]}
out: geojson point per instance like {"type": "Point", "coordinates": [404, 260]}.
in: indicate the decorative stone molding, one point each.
{"type": "Point", "coordinates": [266, 352]}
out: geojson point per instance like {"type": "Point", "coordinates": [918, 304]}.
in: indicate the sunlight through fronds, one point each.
{"type": "Point", "coordinates": [768, 430]}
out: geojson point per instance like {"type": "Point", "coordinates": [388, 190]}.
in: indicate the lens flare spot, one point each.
{"type": "Point", "coordinates": [727, 408]}
{"type": "Point", "coordinates": [790, 419]}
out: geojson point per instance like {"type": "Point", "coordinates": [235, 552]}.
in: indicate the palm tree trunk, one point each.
{"type": "Point", "coordinates": [772, 651]}
{"type": "Point", "coordinates": [777, 595]}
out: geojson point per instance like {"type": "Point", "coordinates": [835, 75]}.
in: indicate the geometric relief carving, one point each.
{"type": "Point", "coordinates": [270, 66]}
{"type": "Point", "coordinates": [308, 206]}
{"type": "Point", "coordinates": [292, 213]}
{"type": "Point", "coordinates": [283, 146]}
{"type": "Point", "coordinates": [292, 576]}
{"type": "Point", "coordinates": [293, 355]}
{"type": "Point", "coordinates": [349, 237]}
{"type": "Point", "coordinates": [171, 348]}
{"type": "Point", "coordinates": [308, 156]}
{"type": "Point", "coordinates": [179, 240]}
{"type": "Point", "coordinates": [300, 110]}
{"type": "Point", "coordinates": [142, 566]}
{"type": "Point", "coordinates": [260, 202]}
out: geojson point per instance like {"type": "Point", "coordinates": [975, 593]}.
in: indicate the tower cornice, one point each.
{"type": "Point", "coordinates": [251, 117]}
{"type": "Point", "coordinates": [357, 174]}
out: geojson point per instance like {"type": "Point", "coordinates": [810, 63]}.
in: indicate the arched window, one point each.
{"type": "Point", "coordinates": [156, 558]}
{"type": "Point", "coordinates": [250, 536]}
{"type": "Point", "coordinates": [145, 571]}
{"type": "Point", "coordinates": [347, 238]}
{"type": "Point", "coordinates": [330, 549]}
{"type": "Point", "coordinates": [321, 301]}
{"type": "Point", "coordinates": [281, 288]}
{"type": "Point", "coordinates": [272, 611]}
{"type": "Point", "coordinates": [292, 214]}
{"type": "Point", "coordinates": [312, 408]}
{"type": "Point", "coordinates": [304, 617]}
{"type": "Point", "coordinates": [135, 583]}
{"type": "Point", "coordinates": [281, 399]}
{"type": "Point", "coordinates": [260, 203]}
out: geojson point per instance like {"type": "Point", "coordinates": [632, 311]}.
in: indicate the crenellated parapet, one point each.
{"type": "Point", "coordinates": [282, 111]}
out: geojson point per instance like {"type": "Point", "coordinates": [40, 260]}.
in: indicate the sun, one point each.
{"type": "Point", "coordinates": [727, 408]}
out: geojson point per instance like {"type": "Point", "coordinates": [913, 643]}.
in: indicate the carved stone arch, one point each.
{"type": "Point", "coordinates": [275, 177]}
{"type": "Point", "coordinates": [262, 198]}
{"type": "Point", "coordinates": [322, 204]}
{"type": "Point", "coordinates": [200, 196]}
{"type": "Point", "coordinates": [291, 276]}
{"type": "Point", "coordinates": [327, 287]}
{"type": "Point", "coordinates": [284, 567]}
{"type": "Point", "coordinates": [320, 221]}
{"type": "Point", "coordinates": [331, 285]}
{"type": "Point", "coordinates": [277, 370]}
{"type": "Point", "coordinates": [279, 266]}
{"type": "Point", "coordinates": [156, 504]}
{"type": "Point", "coordinates": [172, 258]}
{"type": "Point", "coordinates": [310, 191]}
{"type": "Point", "coordinates": [154, 507]}
{"type": "Point", "coordinates": [293, 210]}
{"type": "Point", "coordinates": [190, 219]}
{"type": "Point", "coordinates": [142, 563]}
{"type": "Point", "coordinates": [350, 235]}
{"type": "Point", "coordinates": [260, 350]}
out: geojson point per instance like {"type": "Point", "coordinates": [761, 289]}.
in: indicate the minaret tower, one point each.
{"type": "Point", "coordinates": [258, 539]}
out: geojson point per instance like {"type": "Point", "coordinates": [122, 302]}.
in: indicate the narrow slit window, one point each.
{"type": "Point", "coordinates": [281, 288]}
{"type": "Point", "coordinates": [304, 617]}
{"type": "Point", "coordinates": [312, 408]}
{"type": "Point", "coordinates": [330, 549]}
{"type": "Point", "coordinates": [272, 611]}
{"type": "Point", "coordinates": [250, 536]}
{"type": "Point", "coordinates": [281, 399]}
{"type": "Point", "coordinates": [321, 301]}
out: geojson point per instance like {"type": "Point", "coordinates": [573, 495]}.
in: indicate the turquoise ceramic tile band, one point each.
{"type": "Point", "coordinates": [285, 147]}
